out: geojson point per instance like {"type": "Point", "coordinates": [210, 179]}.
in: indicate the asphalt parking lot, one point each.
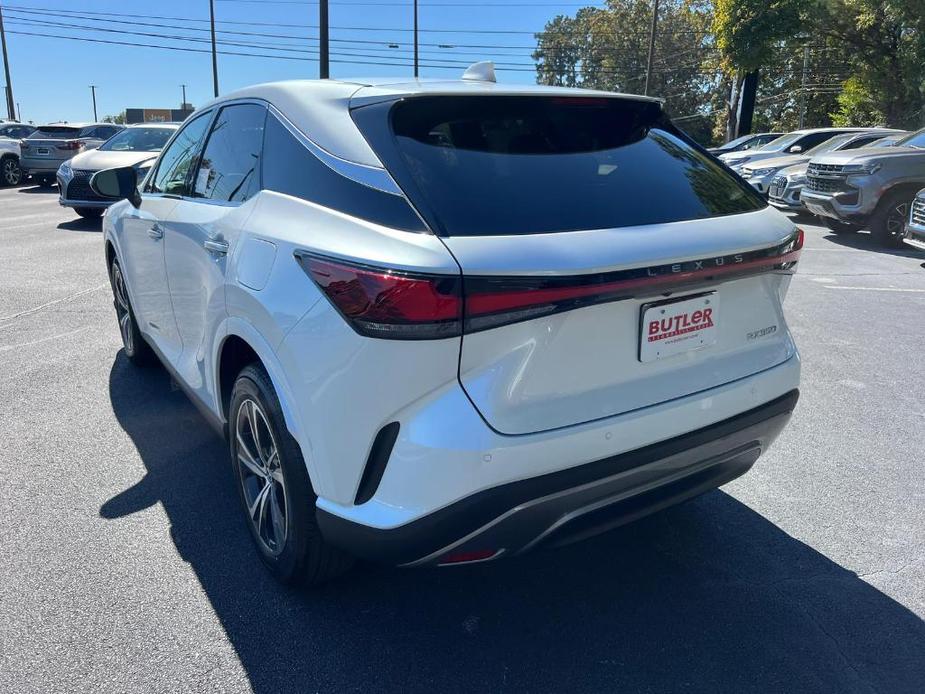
{"type": "Point", "coordinates": [125, 567]}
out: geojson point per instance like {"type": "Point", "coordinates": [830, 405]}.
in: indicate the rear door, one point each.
{"type": "Point", "coordinates": [203, 226]}
{"type": "Point", "coordinates": [608, 265]}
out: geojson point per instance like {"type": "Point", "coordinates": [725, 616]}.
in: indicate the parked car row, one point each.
{"type": "Point", "coordinates": [851, 178]}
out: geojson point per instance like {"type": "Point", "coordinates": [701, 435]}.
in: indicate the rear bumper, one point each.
{"type": "Point", "coordinates": [39, 166]}
{"type": "Point", "coordinates": [570, 504]}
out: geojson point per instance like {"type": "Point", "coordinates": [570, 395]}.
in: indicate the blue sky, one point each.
{"type": "Point", "coordinates": [50, 76]}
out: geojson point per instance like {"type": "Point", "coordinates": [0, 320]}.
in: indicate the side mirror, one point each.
{"type": "Point", "coordinates": [120, 183]}
{"type": "Point", "coordinates": [796, 149]}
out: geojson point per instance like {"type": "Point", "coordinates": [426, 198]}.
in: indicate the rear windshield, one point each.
{"type": "Point", "coordinates": [138, 140]}
{"type": "Point", "coordinates": [501, 165]}
{"type": "Point", "coordinates": [55, 131]}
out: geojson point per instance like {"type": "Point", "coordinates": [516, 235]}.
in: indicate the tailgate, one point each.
{"type": "Point", "coordinates": [600, 360]}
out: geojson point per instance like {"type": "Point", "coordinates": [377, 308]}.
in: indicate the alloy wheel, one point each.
{"type": "Point", "coordinates": [896, 221]}
{"type": "Point", "coordinates": [261, 477]}
{"type": "Point", "coordinates": [10, 172]}
{"type": "Point", "coordinates": [123, 313]}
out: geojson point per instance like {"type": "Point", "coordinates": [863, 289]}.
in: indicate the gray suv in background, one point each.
{"type": "Point", "coordinates": [867, 188]}
{"type": "Point", "coordinates": [44, 150]}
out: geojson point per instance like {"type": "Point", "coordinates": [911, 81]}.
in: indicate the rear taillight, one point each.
{"type": "Point", "coordinates": [71, 145]}
{"type": "Point", "coordinates": [495, 301]}
{"type": "Point", "coordinates": [387, 303]}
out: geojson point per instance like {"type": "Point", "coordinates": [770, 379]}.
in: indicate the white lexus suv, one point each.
{"type": "Point", "coordinates": [442, 322]}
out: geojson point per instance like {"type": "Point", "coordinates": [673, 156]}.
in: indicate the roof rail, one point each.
{"type": "Point", "coordinates": [480, 72]}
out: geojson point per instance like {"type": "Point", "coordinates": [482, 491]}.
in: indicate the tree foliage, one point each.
{"type": "Point", "coordinates": [853, 62]}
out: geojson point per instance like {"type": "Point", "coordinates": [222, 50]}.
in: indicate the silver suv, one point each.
{"type": "Point", "coordinates": [867, 188]}
{"type": "Point", "coordinates": [48, 147]}
{"type": "Point", "coordinates": [915, 229]}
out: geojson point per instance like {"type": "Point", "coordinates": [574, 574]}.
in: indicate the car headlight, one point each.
{"type": "Point", "coordinates": [863, 169]}
{"type": "Point", "coordinates": [65, 169]}
{"type": "Point", "coordinates": [798, 178]}
{"type": "Point", "coordinates": [763, 172]}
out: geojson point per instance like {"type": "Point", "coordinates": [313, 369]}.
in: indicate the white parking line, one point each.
{"type": "Point", "coordinates": [874, 289]}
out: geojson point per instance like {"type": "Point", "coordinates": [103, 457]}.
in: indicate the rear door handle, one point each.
{"type": "Point", "coordinates": [217, 247]}
{"type": "Point", "coordinates": [155, 232]}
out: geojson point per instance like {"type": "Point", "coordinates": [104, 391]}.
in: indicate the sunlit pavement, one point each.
{"type": "Point", "coordinates": [126, 568]}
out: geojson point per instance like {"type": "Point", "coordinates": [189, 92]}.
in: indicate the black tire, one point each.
{"type": "Point", "coordinates": [888, 222]}
{"type": "Point", "coordinates": [137, 350]}
{"type": "Point", "coordinates": [10, 173]}
{"type": "Point", "coordinates": [89, 212]}
{"type": "Point", "coordinates": [283, 525]}
{"type": "Point", "coordinates": [45, 181]}
{"type": "Point", "coordinates": [841, 227]}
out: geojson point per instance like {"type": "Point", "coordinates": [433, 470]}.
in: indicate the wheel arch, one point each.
{"type": "Point", "coordinates": [904, 187]}
{"type": "Point", "coordinates": [240, 344]}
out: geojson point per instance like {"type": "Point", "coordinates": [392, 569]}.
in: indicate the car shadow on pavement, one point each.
{"type": "Point", "coordinates": [81, 224]}
{"type": "Point", "coordinates": [866, 242]}
{"type": "Point", "coordinates": [709, 596]}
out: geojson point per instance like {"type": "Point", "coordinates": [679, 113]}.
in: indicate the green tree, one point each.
{"type": "Point", "coordinates": [857, 105]}
{"type": "Point", "coordinates": [748, 34]}
{"type": "Point", "coordinates": [119, 118]}
{"type": "Point", "coordinates": [607, 48]}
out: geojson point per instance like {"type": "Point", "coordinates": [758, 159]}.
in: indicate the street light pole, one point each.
{"type": "Point", "coordinates": [6, 69]}
{"type": "Point", "coordinates": [183, 102]}
{"type": "Point", "coordinates": [214, 54]}
{"type": "Point", "coordinates": [323, 54]}
{"type": "Point", "coordinates": [93, 93]}
{"type": "Point", "coordinates": [415, 38]}
{"type": "Point", "coordinates": [651, 46]}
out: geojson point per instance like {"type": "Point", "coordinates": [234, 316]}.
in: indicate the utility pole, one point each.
{"type": "Point", "coordinates": [18, 112]}
{"type": "Point", "coordinates": [323, 55]}
{"type": "Point", "coordinates": [93, 93]}
{"type": "Point", "coordinates": [415, 38]}
{"type": "Point", "coordinates": [803, 85]}
{"type": "Point", "coordinates": [6, 69]}
{"type": "Point", "coordinates": [214, 54]}
{"type": "Point", "coordinates": [183, 102]}
{"type": "Point", "coordinates": [651, 46]}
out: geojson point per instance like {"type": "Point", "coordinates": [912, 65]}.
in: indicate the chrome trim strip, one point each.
{"type": "Point", "coordinates": [369, 176]}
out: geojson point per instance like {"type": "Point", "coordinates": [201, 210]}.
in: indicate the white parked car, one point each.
{"type": "Point", "coordinates": [795, 142]}
{"type": "Point", "coordinates": [445, 322]}
{"type": "Point", "coordinates": [10, 172]}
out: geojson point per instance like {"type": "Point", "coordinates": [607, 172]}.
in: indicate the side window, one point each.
{"type": "Point", "coordinates": [290, 168]}
{"type": "Point", "coordinates": [175, 162]}
{"type": "Point", "coordinates": [862, 141]}
{"type": "Point", "coordinates": [813, 139]}
{"type": "Point", "coordinates": [229, 170]}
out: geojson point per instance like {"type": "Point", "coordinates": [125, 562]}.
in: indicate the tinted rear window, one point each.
{"type": "Point", "coordinates": [55, 131]}
{"type": "Point", "coordinates": [496, 165]}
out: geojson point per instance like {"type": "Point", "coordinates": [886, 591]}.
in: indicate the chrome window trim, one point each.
{"type": "Point", "coordinates": [370, 176]}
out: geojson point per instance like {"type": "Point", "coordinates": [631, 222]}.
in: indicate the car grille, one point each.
{"type": "Point", "coordinates": [778, 186]}
{"type": "Point", "coordinates": [918, 212]}
{"type": "Point", "coordinates": [825, 169]}
{"type": "Point", "coordinates": [79, 188]}
{"type": "Point", "coordinates": [824, 185]}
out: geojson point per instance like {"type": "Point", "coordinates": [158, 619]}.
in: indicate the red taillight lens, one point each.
{"type": "Point", "coordinates": [386, 303]}
{"type": "Point", "coordinates": [468, 557]}
{"type": "Point", "coordinates": [71, 144]}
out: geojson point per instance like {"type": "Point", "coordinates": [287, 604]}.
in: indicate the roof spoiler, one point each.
{"type": "Point", "coordinates": [480, 72]}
